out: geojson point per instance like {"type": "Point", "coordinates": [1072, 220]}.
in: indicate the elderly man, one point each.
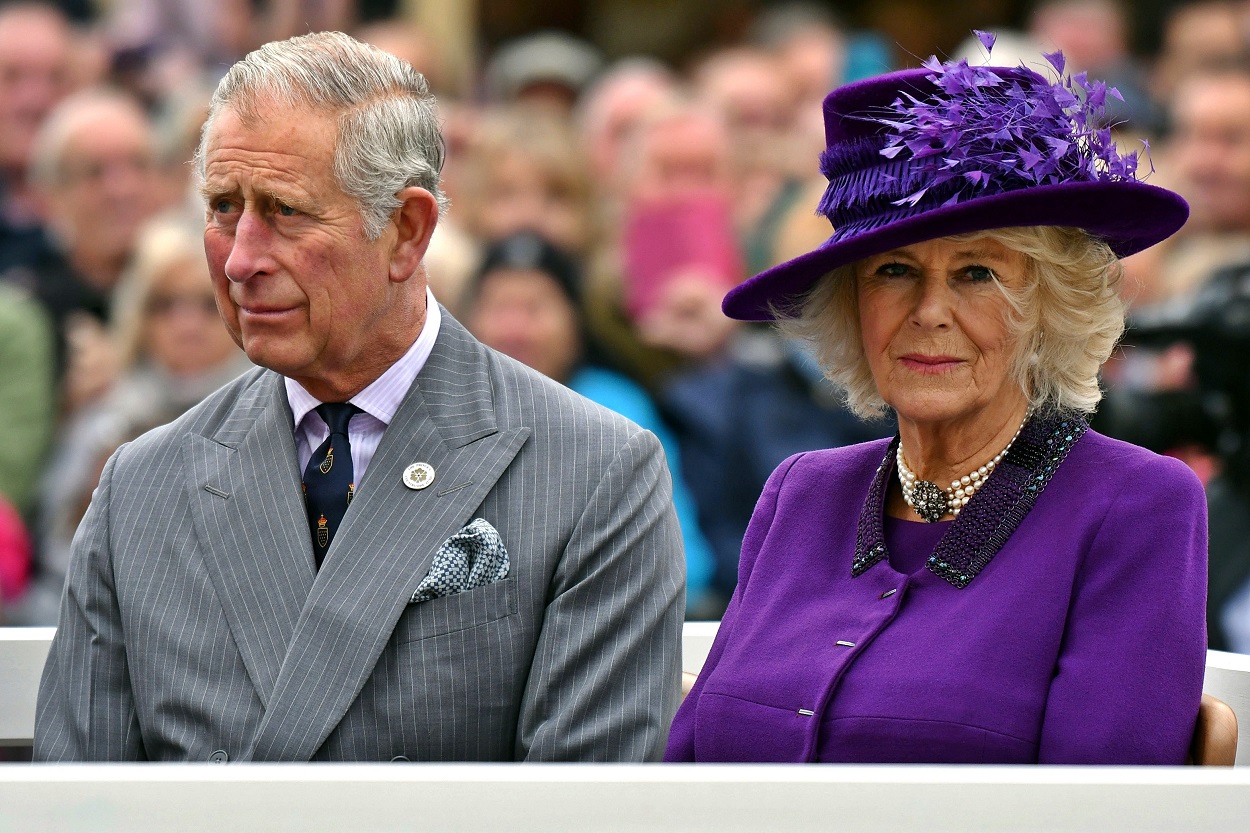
{"type": "Point", "coordinates": [506, 583]}
{"type": "Point", "coordinates": [92, 169]}
{"type": "Point", "coordinates": [35, 47]}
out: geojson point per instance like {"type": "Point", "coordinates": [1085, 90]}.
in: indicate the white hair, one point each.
{"type": "Point", "coordinates": [388, 135]}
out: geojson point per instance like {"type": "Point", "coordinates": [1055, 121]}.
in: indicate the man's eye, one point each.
{"type": "Point", "coordinates": [222, 206]}
{"type": "Point", "coordinates": [286, 210]}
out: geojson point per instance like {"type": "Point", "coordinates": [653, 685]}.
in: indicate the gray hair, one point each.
{"type": "Point", "coordinates": [1066, 320]}
{"type": "Point", "coordinates": [388, 135]}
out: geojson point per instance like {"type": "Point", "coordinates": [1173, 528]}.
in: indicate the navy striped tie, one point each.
{"type": "Point", "coordinates": [328, 480]}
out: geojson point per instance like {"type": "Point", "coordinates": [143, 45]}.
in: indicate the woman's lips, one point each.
{"type": "Point", "coordinates": [919, 363]}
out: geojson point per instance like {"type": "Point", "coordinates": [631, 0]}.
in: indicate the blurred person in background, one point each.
{"type": "Point", "coordinates": [93, 170]}
{"type": "Point", "coordinates": [176, 131]}
{"type": "Point", "coordinates": [15, 558]}
{"type": "Point", "coordinates": [173, 351]}
{"type": "Point", "coordinates": [27, 408]}
{"type": "Point", "coordinates": [1180, 385]}
{"type": "Point", "coordinates": [1195, 35]}
{"type": "Point", "coordinates": [527, 172]}
{"type": "Point", "coordinates": [27, 395]}
{"type": "Point", "coordinates": [1094, 37]}
{"type": "Point", "coordinates": [408, 42]}
{"type": "Point", "coordinates": [1209, 152]}
{"type": "Point", "coordinates": [35, 43]}
{"type": "Point", "coordinates": [679, 247]}
{"type": "Point", "coordinates": [749, 88]}
{"type": "Point", "coordinates": [613, 108]}
{"type": "Point", "coordinates": [810, 46]}
{"type": "Point", "coordinates": [543, 71]}
{"type": "Point", "coordinates": [520, 170]}
{"type": "Point", "coordinates": [161, 46]}
{"type": "Point", "coordinates": [525, 301]}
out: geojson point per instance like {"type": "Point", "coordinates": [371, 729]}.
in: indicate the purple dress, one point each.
{"type": "Point", "coordinates": [1061, 618]}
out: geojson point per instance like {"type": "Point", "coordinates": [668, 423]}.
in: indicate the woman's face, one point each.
{"type": "Point", "coordinates": [182, 331]}
{"type": "Point", "coordinates": [522, 196]}
{"type": "Point", "coordinates": [524, 314]}
{"type": "Point", "coordinates": [934, 328]}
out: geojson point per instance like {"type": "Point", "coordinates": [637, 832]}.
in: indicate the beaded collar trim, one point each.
{"type": "Point", "coordinates": [983, 527]}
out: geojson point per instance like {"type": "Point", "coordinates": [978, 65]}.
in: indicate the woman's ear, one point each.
{"type": "Point", "coordinates": [414, 221]}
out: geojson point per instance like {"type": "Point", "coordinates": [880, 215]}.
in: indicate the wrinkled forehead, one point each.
{"type": "Point", "coordinates": [260, 137]}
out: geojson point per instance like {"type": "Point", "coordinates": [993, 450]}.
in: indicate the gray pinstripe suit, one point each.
{"type": "Point", "coordinates": [194, 622]}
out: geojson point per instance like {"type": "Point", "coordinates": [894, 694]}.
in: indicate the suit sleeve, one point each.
{"type": "Point", "coordinates": [605, 676]}
{"type": "Point", "coordinates": [681, 741]}
{"type": "Point", "coordinates": [1129, 675]}
{"type": "Point", "coordinates": [85, 710]}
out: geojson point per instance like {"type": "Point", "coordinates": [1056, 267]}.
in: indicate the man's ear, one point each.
{"type": "Point", "coordinates": [414, 222]}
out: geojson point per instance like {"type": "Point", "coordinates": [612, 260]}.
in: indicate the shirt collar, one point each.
{"type": "Point", "coordinates": [382, 398]}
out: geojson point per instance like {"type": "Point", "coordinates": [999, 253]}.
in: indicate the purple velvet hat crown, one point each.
{"type": "Point", "coordinates": [953, 148]}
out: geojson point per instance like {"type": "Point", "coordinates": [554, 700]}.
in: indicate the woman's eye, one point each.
{"type": "Point", "coordinates": [980, 274]}
{"type": "Point", "coordinates": [892, 270]}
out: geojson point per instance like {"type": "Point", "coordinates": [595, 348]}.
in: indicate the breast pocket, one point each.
{"type": "Point", "coordinates": [458, 612]}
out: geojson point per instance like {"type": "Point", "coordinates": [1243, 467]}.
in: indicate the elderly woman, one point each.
{"type": "Point", "coordinates": [997, 583]}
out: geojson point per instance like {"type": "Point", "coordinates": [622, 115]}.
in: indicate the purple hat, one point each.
{"type": "Point", "coordinates": [952, 148]}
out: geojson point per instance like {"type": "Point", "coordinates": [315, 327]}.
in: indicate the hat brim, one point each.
{"type": "Point", "coordinates": [1128, 215]}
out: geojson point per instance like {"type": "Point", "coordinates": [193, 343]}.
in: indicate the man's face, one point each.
{"type": "Point", "coordinates": [1211, 151]}
{"type": "Point", "coordinates": [34, 58]}
{"type": "Point", "coordinates": [300, 287]}
{"type": "Point", "coordinates": [106, 183]}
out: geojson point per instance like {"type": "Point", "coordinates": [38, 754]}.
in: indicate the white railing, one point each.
{"type": "Point", "coordinates": [608, 798]}
{"type": "Point", "coordinates": [600, 798]}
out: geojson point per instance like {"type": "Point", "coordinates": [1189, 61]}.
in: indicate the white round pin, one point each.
{"type": "Point", "coordinates": [418, 475]}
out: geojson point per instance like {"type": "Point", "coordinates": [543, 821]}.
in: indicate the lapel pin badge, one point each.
{"type": "Point", "coordinates": [418, 476]}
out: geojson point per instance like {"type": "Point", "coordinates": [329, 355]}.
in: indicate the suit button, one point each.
{"type": "Point", "coordinates": [400, 759]}
{"type": "Point", "coordinates": [219, 757]}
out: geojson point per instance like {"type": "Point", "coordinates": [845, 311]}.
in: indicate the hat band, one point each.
{"type": "Point", "coordinates": [866, 199]}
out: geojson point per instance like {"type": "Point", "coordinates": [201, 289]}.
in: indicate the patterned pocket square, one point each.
{"type": "Point", "coordinates": [473, 557]}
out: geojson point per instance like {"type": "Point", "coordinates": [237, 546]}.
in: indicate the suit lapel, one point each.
{"type": "Point", "coordinates": [387, 542]}
{"type": "Point", "coordinates": [247, 502]}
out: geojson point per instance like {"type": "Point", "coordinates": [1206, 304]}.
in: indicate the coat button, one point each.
{"type": "Point", "coordinates": [219, 757]}
{"type": "Point", "coordinates": [400, 759]}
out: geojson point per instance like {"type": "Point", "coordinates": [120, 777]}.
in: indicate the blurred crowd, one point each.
{"type": "Point", "coordinates": [600, 209]}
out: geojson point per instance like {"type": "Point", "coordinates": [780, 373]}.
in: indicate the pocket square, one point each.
{"type": "Point", "coordinates": [473, 557]}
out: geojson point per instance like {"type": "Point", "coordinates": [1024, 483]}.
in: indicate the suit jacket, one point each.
{"type": "Point", "coordinates": [194, 626]}
{"type": "Point", "coordinates": [1080, 641]}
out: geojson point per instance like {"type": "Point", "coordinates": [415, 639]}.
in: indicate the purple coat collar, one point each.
{"type": "Point", "coordinates": [985, 524]}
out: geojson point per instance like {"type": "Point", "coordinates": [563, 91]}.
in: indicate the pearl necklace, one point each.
{"type": "Point", "coordinates": [930, 501]}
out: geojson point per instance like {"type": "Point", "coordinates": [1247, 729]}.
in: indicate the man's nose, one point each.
{"type": "Point", "coordinates": [250, 249]}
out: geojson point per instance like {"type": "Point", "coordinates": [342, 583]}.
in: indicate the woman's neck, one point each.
{"type": "Point", "coordinates": [941, 452]}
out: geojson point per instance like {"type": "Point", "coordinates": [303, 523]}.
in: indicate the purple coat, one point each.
{"type": "Point", "coordinates": [1081, 640]}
